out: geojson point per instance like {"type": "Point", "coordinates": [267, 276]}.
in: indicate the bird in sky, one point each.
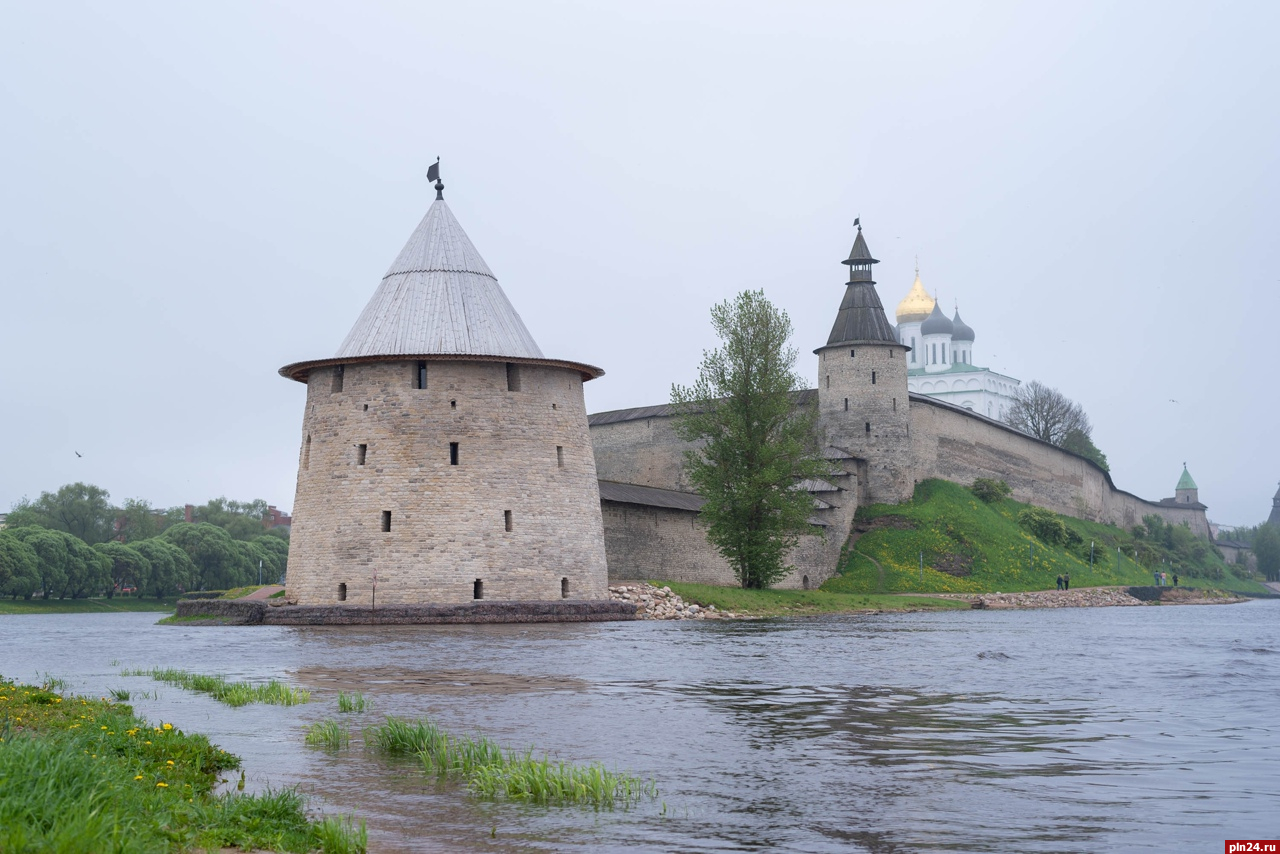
{"type": "Point", "coordinates": [1171, 400]}
{"type": "Point", "coordinates": [78, 454]}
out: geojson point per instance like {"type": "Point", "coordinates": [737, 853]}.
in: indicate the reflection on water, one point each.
{"type": "Point", "coordinates": [1135, 729]}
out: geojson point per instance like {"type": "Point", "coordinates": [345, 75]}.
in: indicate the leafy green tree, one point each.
{"type": "Point", "coordinates": [19, 568]}
{"type": "Point", "coordinates": [754, 443]}
{"type": "Point", "coordinates": [128, 566]}
{"type": "Point", "coordinates": [219, 565]}
{"type": "Point", "coordinates": [88, 571]}
{"type": "Point", "coordinates": [1079, 443]}
{"type": "Point", "coordinates": [50, 548]}
{"type": "Point", "coordinates": [137, 520]}
{"type": "Point", "coordinates": [1266, 548]}
{"type": "Point", "coordinates": [277, 550]}
{"type": "Point", "coordinates": [82, 510]}
{"type": "Point", "coordinates": [243, 520]}
{"type": "Point", "coordinates": [171, 567]}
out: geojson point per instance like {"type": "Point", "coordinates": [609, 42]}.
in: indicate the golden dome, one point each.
{"type": "Point", "coordinates": [916, 305]}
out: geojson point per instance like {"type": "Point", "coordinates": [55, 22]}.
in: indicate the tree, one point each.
{"type": "Point", "coordinates": [243, 520]}
{"type": "Point", "coordinates": [1048, 414]}
{"type": "Point", "coordinates": [50, 548]}
{"type": "Point", "coordinates": [19, 567]}
{"type": "Point", "coordinates": [138, 520]}
{"type": "Point", "coordinates": [277, 550]}
{"type": "Point", "coordinates": [754, 443]}
{"type": "Point", "coordinates": [171, 567]}
{"type": "Point", "coordinates": [990, 491]}
{"type": "Point", "coordinates": [218, 564]}
{"type": "Point", "coordinates": [88, 571]}
{"type": "Point", "coordinates": [129, 568]}
{"type": "Point", "coordinates": [1266, 548]}
{"type": "Point", "coordinates": [1079, 443]}
{"type": "Point", "coordinates": [80, 509]}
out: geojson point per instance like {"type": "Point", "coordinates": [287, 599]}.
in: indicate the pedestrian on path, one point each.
{"type": "Point", "coordinates": [1059, 581]}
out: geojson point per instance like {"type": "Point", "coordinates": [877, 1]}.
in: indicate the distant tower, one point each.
{"type": "Point", "coordinates": [912, 311]}
{"type": "Point", "coordinates": [1186, 491]}
{"type": "Point", "coordinates": [862, 386]}
{"type": "Point", "coordinates": [1275, 510]}
{"type": "Point", "coordinates": [441, 450]}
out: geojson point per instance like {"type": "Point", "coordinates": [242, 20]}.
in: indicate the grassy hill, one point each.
{"type": "Point", "coordinates": [970, 547]}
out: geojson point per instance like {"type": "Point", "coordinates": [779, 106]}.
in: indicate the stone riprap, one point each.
{"type": "Point", "coordinates": [249, 612]}
{"type": "Point", "coordinates": [659, 603]}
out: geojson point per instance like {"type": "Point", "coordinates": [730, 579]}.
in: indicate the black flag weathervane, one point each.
{"type": "Point", "coordinates": [433, 174]}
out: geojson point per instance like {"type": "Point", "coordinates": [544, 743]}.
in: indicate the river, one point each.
{"type": "Point", "coordinates": [1066, 730]}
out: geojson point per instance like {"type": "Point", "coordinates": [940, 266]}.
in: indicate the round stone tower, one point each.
{"type": "Point", "coordinates": [444, 458]}
{"type": "Point", "coordinates": [862, 387]}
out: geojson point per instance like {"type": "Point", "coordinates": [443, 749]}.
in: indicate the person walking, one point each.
{"type": "Point", "coordinates": [1155, 576]}
{"type": "Point", "coordinates": [1175, 579]}
{"type": "Point", "coordinates": [1059, 581]}
{"type": "Point", "coordinates": [1066, 581]}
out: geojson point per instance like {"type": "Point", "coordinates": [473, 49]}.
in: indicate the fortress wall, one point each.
{"type": "Point", "coordinates": [957, 445]}
{"type": "Point", "coordinates": [644, 451]}
{"type": "Point", "coordinates": [447, 521]}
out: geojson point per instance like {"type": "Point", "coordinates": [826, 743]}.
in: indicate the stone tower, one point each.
{"type": "Point", "coordinates": [1274, 518]}
{"type": "Point", "coordinates": [442, 454]}
{"type": "Point", "coordinates": [1186, 492]}
{"type": "Point", "coordinates": [862, 386]}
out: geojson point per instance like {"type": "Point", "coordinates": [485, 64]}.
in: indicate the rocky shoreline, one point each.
{"type": "Point", "coordinates": [1097, 597]}
{"type": "Point", "coordinates": [659, 603]}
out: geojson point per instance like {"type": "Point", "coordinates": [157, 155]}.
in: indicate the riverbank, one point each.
{"type": "Point", "coordinates": [89, 775]}
{"type": "Point", "coordinates": [1098, 597]}
{"type": "Point", "coordinates": [120, 604]}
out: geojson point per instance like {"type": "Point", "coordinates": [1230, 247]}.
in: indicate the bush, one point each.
{"type": "Point", "coordinates": [1045, 525]}
{"type": "Point", "coordinates": [989, 490]}
{"type": "Point", "coordinates": [203, 594]}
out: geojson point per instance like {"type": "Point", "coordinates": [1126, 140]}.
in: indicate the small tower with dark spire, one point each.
{"type": "Point", "coordinates": [1274, 519]}
{"type": "Point", "coordinates": [862, 386]}
{"type": "Point", "coordinates": [1186, 491]}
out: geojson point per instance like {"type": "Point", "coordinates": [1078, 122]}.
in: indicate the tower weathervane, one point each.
{"type": "Point", "coordinates": [857, 221]}
{"type": "Point", "coordinates": [433, 174]}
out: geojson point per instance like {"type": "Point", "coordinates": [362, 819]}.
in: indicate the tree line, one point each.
{"type": "Point", "coordinates": [74, 543]}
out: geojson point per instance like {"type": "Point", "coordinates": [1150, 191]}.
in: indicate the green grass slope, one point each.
{"type": "Point", "coordinates": [973, 547]}
{"type": "Point", "coordinates": [84, 606]}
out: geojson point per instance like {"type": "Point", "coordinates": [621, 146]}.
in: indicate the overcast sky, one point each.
{"type": "Point", "coordinates": [194, 195]}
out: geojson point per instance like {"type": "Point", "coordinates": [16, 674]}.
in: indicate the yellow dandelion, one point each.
{"type": "Point", "coordinates": [146, 742]}
{"type": "Point", "coordinates": [139, 777]}
{"type": "Point", "coordinates": [168, 726]}
{"type": "Point", "coordinates": [168, 762]}
{"type": "Point", "coordinates": [104, 727]}
{"type": "Point", "coordinates": [162, 785]}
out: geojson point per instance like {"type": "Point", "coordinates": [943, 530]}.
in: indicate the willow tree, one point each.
{"type": "Point", "coordinates": [753, 442]}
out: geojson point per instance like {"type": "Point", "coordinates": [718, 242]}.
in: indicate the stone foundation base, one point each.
{"type": "Point", "coordinates": [243, 612]}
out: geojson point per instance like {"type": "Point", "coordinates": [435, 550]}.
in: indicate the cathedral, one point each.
{"type": "Point", "coordinates": [940, 363]}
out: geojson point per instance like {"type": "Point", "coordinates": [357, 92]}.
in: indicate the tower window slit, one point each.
{"type": "Point", "coordinates": [453, 453]}
{"type": "Point", "coordinates": [564, 588]}
{"type": "Point", "coordinates": [386, 521]}
{"type": "Point", "coordinates": [477, 589]}
{"type": "Point", "coordinates": [873, 377]}
{"type": "Point", "coordinates": [828, 380]}
{"type": "Point", "coordinates": [421, 381]}
{"type": "Point", "coordinates": [453, 404]}
{"type": "Point", "coordinates": [846, 404]}
{"type": "Point", "coordinates": [337, 378]}
{"type": "Point", "coordinates": [306, 453]}
{"type": "Point", "coordinates": [895, 404]}
{"type": "Point", "coordinates": [361, 451]}
{"type": "Point", "coordinates": [559, 456]}
{"type": "Point", "coordinates": [851, 352]}
{"type": "Point", "coordinates": [342, 592]}
{"type": "Point", "coordinates": [868, 428]}
{"type": "Point", "coordinates": [506, 519]}
{"type": "Point", "coordinates": [513, 377]}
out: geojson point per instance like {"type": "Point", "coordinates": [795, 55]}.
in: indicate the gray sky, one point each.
{"type": "Point", "coordinates": [196, 194]}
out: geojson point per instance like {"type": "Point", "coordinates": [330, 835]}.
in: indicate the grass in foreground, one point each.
{"type": "Point", "coordinates": [491, 772]}
{"type": "Point", "coordinates": [81, 775]}
{"type": "Point", "coordinates": [791, 603]}
{"type": "Point", "coordinates": [120, 604]}
{"type": "Point", "coordinates": [973, 547]}
{"type": "Point", "coordinates": [232, 693]}
{"type": "Point", "coordinates": [330, 734]}
{"type": "Point", "coordinates": [353, 702]}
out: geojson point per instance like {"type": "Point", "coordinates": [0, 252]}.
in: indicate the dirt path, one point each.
{"type": "Point", "coordinates": [879, 569]}
{"type": "Point", "coordinates": [264, 592]}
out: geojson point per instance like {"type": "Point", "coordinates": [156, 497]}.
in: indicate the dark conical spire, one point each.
{"type": "Point", "coordinates": [1275, 510]}
{"type": "Point", "coordinates": [860, 259]}
{"type": "Point", "coordinates": [861, 316]}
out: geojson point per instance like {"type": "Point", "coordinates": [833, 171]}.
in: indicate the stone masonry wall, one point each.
{"type": "Point", "coordinates": [667, 544]}
{"type": "Point", "coordinates": [448, 523]}
{"type": "Point", "coordinates": [957, 445]}
{"type": "Point", "coordinates": [645, 451]}
{"type": "Point", "coordinates": [862, 394]}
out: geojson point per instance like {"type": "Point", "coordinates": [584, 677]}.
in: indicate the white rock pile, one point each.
{"type": "Point", "coordinates": [659, 603]}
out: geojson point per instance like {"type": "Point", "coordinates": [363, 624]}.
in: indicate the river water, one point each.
{"type": "Point", "coordinates": [1072, 730]}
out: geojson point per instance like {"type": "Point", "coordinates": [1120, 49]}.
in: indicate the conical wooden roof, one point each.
{"type": "Point", "coordinates": [439, 298]}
